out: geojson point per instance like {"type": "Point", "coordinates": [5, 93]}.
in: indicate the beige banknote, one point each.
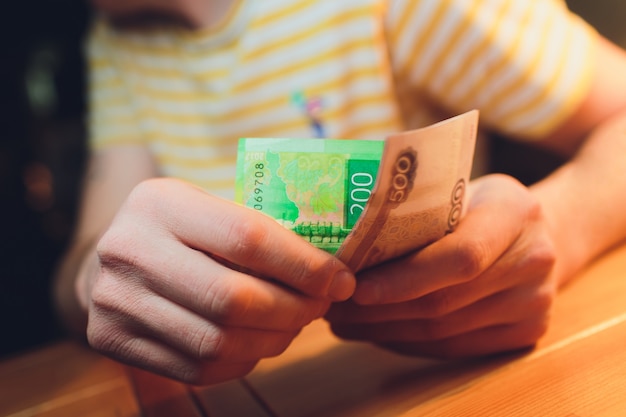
{"type": "Point", "coordinates": [419, 195]}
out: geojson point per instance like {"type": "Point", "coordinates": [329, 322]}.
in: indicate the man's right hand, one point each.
{"type": "Point", "coordinates": [168, 292]}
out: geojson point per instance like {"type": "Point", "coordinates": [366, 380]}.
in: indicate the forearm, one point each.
{"type": "Point", "coordinates": [584, 200]}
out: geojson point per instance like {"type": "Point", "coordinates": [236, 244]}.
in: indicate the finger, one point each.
{"type": "Point", "coordinates": [246, 238]}
{"type": "Point", "coordinates": [480, 239]}
{"type": "Point", "coordinates": [504, 308]}
{"type": "Point", "coordinates": [149, 315]}
{"type": "Point", "coordinates": [215, 292]}
{"type": "Point", "coordinates": [159, 358]}
{"type": "Point", "coordinates": [528, 271]}
{"type": "Point", "coordinates": [482, 342]}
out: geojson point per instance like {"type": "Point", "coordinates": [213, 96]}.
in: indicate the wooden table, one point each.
{"type": "Point", "coordinates": [577, 369]}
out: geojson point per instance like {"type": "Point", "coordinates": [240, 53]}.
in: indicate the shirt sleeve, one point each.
{"type": "Point", "coordinates": [526, 65]}
{"type": "Point", "coordinates": [112, 118]}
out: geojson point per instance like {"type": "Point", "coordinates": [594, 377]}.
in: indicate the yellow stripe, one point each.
{"type": "Point", "coordinates": [312, 62]}
{"type": "Point", "coordinates": [537, 101]}
{"type": "Point", "coordinates": [337, 114]}
{"type": "Point", "coordinates": [479, 50]}
{"type": "Point", "coordinates": [303, 35]}
{"type": "Point", "coordinates": [574, 97]}
{"type": "Point", "coordinates": [519, 84]}
{"type": "Point", "coordinates": [419, 44]}
{"type": "Point", "coordinates": [363, 130]}
{"type": "Point", "coordinates": [283, 13]}
{"type": "Point", "coordinates": [107, 84]}
{"type": "Point", "coordinates": [234, 115]}
{"type": "Point", "coordinates": [99, 64]}
{"type": "Point", "coordinates": [213, 74]}
{"type": "Point", "coordinates": [408, 15]}
{"type": "Point", "coordinates": [263, 106]}
{"type": "Point", "coordinates": [187, 97]}
{"type": "Point", "coordinates": [145, 48]}
{"type": "Point", "coordinates": [449, 49]}
{"type": "Point", "coordinates": [512, 50]}
{"type": "Point", "coordinates": [154, 71]}
{"type": "Point", "coordinates": [106, 103]}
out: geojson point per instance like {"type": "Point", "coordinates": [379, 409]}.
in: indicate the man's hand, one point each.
{"type": "Point", "coordinates": [485, 288]}
{"type": "Point", "coordinates": [199, 289]}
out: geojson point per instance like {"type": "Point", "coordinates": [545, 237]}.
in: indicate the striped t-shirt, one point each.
{"type": "Point", "coordinates": [353, 69]}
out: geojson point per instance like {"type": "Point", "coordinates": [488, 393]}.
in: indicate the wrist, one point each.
{"type": "Point", "coordinates": [569, 222]}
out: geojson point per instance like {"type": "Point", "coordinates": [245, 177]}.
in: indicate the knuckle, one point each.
{"type": "Point", "coordinates": [118, 251]}
{"type": "Point", "coordinates": [107, 297]}
{"type": "Point", "coordinates": [228, 304]}
{"type": "Point", "coordinates": [109, 339]}
{"type": "Point", "coordinates": [534, 209]}
{"type": "Point", "coordinates": [543, 256]}
{"type": "Point", "coordinates": [471, 257]}
{"type": "Point", "coordinates": [147, 191]}
{"type": "Point", "coordinates": [209, 344]}
{"type": "Point", "coordinates": [246, 238]}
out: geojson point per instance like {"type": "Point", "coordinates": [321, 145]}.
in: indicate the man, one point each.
{"type": "Point", "coordinates": [176, 83]}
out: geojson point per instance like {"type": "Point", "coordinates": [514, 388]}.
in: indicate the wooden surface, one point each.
{"type": "Point", "coordinates": [577, 369]}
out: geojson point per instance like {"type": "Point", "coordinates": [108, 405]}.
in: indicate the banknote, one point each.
{"type": "Point", "coordinates": [364, 201]}
{"type": "Point", "coordinates": [316, 187]}
{"type": "Point", "coordinates": [419, 196]}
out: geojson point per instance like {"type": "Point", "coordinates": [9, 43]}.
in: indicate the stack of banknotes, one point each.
{"type": "Point", "coordinates": [365, 201]}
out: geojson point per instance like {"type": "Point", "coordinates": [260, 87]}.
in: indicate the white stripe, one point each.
{"type": "Point", "coordinates": [183, 151]}
{"type": "Point", "coordinates": [361, 87]}
{"type": "Point", "coordinates": [531, 40]}
{"type": "Point", "coordinates": [549, 62]}
{"type": "Point", "coordinates": [458, 58]}
{"type": "Point", "coordinates": [436, 44]}
{"type": "Point", "coordinates": [305, 19]}
{"type": "Point", "coordinates": [366, 113]}
{"type": "Point", "coordinates": [577, 48]}
{"type": "Point", "coordinates": [414, 30]}
{"type": "Point", "coordinates": [476, 71]}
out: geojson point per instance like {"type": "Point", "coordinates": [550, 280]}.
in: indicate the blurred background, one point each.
{"type": "Point", "coordinates": [42, 151]}
{"type": "Point", "coordinates": [42, 139]}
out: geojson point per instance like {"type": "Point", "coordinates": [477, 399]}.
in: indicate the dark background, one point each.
{"type": "Point", "coordinates": [42, 148]}
{"type": "Point", "coordinates": [41, 156]}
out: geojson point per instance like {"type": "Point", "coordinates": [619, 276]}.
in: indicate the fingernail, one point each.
{"type": "Point", "coordinates": [342, 286]}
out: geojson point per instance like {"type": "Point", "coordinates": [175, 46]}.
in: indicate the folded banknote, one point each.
{"type": "Point", "coordinates": [364, 201]}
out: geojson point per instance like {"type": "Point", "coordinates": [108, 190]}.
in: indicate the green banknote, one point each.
{"type": "Point", "coordinates": [316, 187]}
